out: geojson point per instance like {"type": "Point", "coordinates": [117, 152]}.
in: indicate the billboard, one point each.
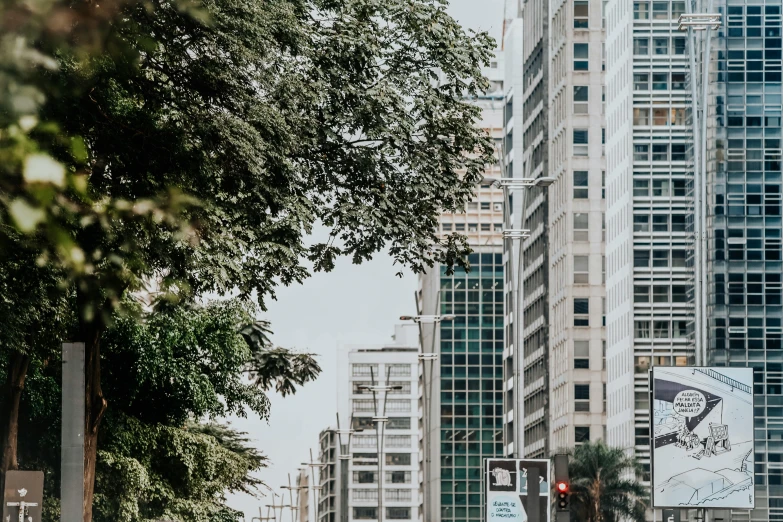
{"type": "Point", "coordinates": [518, 490]}
{"type": "Point", "coordinates": [701, 426]}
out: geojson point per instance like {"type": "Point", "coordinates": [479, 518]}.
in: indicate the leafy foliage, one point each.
{"type": "Point", "coordinates": [168, 373]}
{"type": "Point", "coordinates": [604, 484]}
{"type": "Point", "coordinates": [202, 145]}
{"type": "Point", "coordinates": [153, 472]}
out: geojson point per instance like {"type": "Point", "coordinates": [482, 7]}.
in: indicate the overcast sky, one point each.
{"type": "Point", "coordinates": [350, 305]}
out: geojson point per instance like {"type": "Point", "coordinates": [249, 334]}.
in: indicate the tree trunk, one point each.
{"type": "Point", "coordinates": [9, 423]}
{"type": "Point", "coordinates": [95, 407]}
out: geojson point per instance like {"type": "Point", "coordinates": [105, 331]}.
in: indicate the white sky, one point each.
{"type": "Point", "coordinates": [350, 305]}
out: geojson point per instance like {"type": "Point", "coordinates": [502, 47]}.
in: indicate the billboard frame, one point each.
{"type": "Point", "coordinates": [705, 370]}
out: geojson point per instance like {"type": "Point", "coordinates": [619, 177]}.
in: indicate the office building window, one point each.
{"type": "Point", "coordinates": [581, 57]}
{"type": "Point", "coordinates": [678, 8]}
{"type": "Point", "coordinates": [581, 99]}
{"type": "Point", "coordinates": [641, 10]}
{"type": "Point", "coordinates": [581, 14]}
{"type": "Point", "coordinates": [641, 46]}
{"type": "Point", "coordinates": [660, 81]}
{"type": "Point", "coordinates": [660, 294]}
{"type": "Point", "coordinates": [398, 459]}
{"type": "Point", "coordinates": [398, 441]}
{"type": "Point", "coordinates": [641, 152]}
{"type": "Point", "coordinates": [641, 294]}
{"type": "Point", "coordinates": [641, 81]}
{"type": "Point", "coordinates": [400, 387]}
{"type": "Point", "coordinates": [641, 116]}
{"type": "Point", "coordinates": [661, 329]}
{"type": "Point", "coordinates": [581, 434]}
{"type": "Point", "coordinates": [447, 227]}
{"type": "Point", "coordinates": [581, 226]}
{"type": "Point", "coordinates": [581, 270]}
{"type": "Point", "coordinates": [581, 397]}
{"type": "Point", "coordinates": [362, 423]}
{"type": "Point", "coordinates": [641, 329]}
{"type": "Point", "coordinates": [660, 152]}
{"type": "Point", "coordinates": [641, 258]}
{"type": "Point", "coordinates": [678, 45]}
{"type": "Point", "coordinates": [398, 513]}
{"type": "Point", "coordinates": [581, 311]}
{"type": "Point", "coordinates": [398, 405]}
{"type": "Point", "coordinates": [365, 494]}
{"type": "Point", "coordinates": [660, 10]}
{"type": "Point", "coordinates": [581, 181]}
{"type": "Point", "coordinates": [364, 405]}
{"type": "Point", "coordinates": [398, 495]}
{"type": "Point", "coordinates": [365, 513]}
{"type": "Point", "coordinates": [399, 370]}
{"type": "Point", "coordinates": [581, 354]}
{"type": "Point", "coordinates": [364, 370]}
{"type": "Point", "coordinates": [365, 477]}
{"type": "Point", "coordinates": [399, 423]}
{"type": "Point", "coordinates": [660, 46]}
{"type": "Point", "coordinates": [398, 477]}
{"type": "Point", "coordinates": [581, 141]}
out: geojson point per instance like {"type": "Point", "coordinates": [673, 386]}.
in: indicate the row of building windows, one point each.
{"type": "Point", "coordinates": [391, 459]}
{"type": "Point", "coordinates": [661, 81]}
{"type": "Point", "coordinates": [391, 495]}
{"type": "Point", "coordinates": [661, 46]}
{"type": "Point", "coordinates": [389, 441]}
{"type": "Point", "coordinates": [397, 387]}
{"type": "Point", "coordinates": [472, 227]}
{"type": "Point", "coordinates": [367, 423]}
{"type": "Point", "coordinates": [371, 513]}
{"type": "Point", "coordinates": [395, 370]}
{"type": "Point", "coordinates": [659, 10]}
{"type": "Point", "coordinates": [390, 477]}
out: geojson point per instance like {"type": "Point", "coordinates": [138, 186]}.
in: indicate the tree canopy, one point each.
{"type": "Point", "coordinates": [171, 375]}
{"type": "Point", "coordinates": [195, 143]}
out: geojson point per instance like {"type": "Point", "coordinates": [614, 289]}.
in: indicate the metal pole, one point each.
{"type": "Point", "coordinates": [73, 423]}
{"type": "Point", "coordinates": [425, 414]}
{"type": "Point", "coordinates": [697, 200]}
{"type": "Point", "coordinates": [705, 202]}
{"type": "Point", "coordinates": [519, 320]}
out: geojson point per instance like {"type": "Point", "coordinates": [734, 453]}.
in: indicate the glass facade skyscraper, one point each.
{"type": "Point", "coordinates": [744, 224]}
{"type": "Point", "coordinates": [471, 371]}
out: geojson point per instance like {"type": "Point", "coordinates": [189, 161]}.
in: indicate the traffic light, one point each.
{"type": "Point", "coordinates": [562, 496]}
{"type": "Point", "coordinates": [562, 484]}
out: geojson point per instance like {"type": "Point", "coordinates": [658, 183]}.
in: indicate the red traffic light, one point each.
{"type": "Point", "coordinates": [562, 487]}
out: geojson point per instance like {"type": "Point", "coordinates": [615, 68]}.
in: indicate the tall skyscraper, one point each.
{"type": "Point", "coordinates": [563, 265]}
{"type": "Point", "coordinates": [651, 191]}
{"type": "Point", "coordinates": [744, 224]}
{"type": "Point", "coordinates": [467, 389]}
{"type": "Point", "coordinates": [650, 211]}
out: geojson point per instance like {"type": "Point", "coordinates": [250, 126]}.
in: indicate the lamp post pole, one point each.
{"type": "Point", "coordinates": [704, 22]}
{"type": "Point", "coordinates": [510, 234]}
{"type": "Point", "coordinates": [427, 381]}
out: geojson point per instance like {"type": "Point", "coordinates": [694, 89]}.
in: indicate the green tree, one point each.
{"type": "Point", "coordinates": [197, 144]}
{"type": "Point", "coordinates": [605, 484]}
{"type": "Point", "coordinates": [170, 373]}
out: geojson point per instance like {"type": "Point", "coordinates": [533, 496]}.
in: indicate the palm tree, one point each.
{"type": "Point", "coordinates": [604, 484]}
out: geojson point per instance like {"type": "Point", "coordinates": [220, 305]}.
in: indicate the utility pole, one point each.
{"type": "Point", "coordinates": [72, 435]}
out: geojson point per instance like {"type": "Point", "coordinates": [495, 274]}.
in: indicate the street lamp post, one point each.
{"type": "Point", "coordinates": [344, 458]}
{"type": "Point", "coordinates": [705, 22]}
{"type": "Point", "coordinates": [430, 356]}
{"type": "Point", "coordinates": [523, 184]}
{"type": "Point", "coordinates": [380, 421]}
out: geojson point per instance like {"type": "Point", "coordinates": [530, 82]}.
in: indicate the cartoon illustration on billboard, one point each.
{"type": "Point", "coordinates": [702, 429]}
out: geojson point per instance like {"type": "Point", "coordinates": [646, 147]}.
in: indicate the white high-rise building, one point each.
{"type": "Point", "coordinates": [382, 475]}
{"type": "Point", "coordinates": [649, 208]}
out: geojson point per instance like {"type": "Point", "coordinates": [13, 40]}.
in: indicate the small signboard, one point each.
{"type": "Point", "coordinates": [517, 490]}
{"type": "Point", "coordinates": [23, 496]}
